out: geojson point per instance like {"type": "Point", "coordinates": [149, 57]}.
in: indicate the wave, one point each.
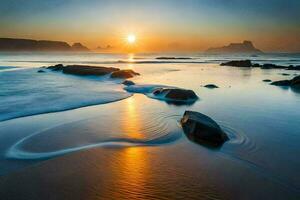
{"type": "Point", "coordinates": [62, 107]}
{"type": "Point", "coordinates": [26, 93]}
{"type": "Point", "coordinates": [8, 68]}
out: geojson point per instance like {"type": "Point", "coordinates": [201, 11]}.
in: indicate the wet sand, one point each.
{"type": "Point", "coordinates": [139, 173]}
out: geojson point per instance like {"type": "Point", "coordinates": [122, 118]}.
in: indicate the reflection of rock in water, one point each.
{"type": "Point", "coordinates": [295, 89]}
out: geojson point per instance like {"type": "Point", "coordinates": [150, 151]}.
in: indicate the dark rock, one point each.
{"type": "Point", "coordinates": [57, 67]}
{"type": "Point", "coordinates": [285, 74]}
{"type": "Point", "coordinates": [176, 94]}
{"type": "Point", "coordinates": [202, 129]}
{"type": "Point", "coordinates": [238, 63]}
{"type": "Point", "coordinates": [124, 73]}
{"type": "Point", "coordinates": [211, 86]}
{"type": "Point", "coordinates": [128, 82]}
{"type": "Point", "coordinates": [272, 66]}
{"type": "Point", "coordinates": [41, 71]}
{"type": "Point", "coordinates": [256, 65]}
{"type": "Point", "coordinates": [267, 80]}
{"type": "Point", "coordinates": [85, 70]}
{"type": "Point", "coordinates": [291, 67]}
{"type": "Point", "coordinates": [282, 83]}
{"type": "Point", "coordinates": [295, 82]}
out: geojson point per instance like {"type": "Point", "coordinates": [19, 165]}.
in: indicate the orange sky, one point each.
{"type": "Point", "coordinates": [191, 25]}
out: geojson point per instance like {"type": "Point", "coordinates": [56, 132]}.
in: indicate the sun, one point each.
{"type": "Point", "coordinates": [131, 38]}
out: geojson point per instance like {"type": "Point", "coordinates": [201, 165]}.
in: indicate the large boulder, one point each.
{"type": "Point", "coordinates": [282, 83]}
{"type": "Point", "coordinates": [202, 129]}
{"type": "Point", "coordinates": [295, 82]}
{"type": "Point", "coordinates": [124, 73]}
{"type": "Point", "coordinates": [176, 94]}
{"type": "Point", "coordinates": [238, 63]}
{"type": "Point", "coordinates": [85, 70]}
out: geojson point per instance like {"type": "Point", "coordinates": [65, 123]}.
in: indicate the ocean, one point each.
{"type": "Point", "coordinates": [45, 116]}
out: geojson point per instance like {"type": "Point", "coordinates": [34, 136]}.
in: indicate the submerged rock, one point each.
{"type": "Point", "coordinates": [202, 129]}
{"type": "Point", "coordinates": [272, 66]}
{"type": "Point", "coordinates": [84, 70]}
{"type": "Point", "coordinates": [211, 86]}
{"type": "Point", "coordinates": [125, 73]}
{"type": "Point", "coordinates": [238, 63]}
{"type": "Point", "coordinates": [267, 80]}
{"type": "Point", "coordinates": [41, 71]}
{"type": "Point", "coordinates": [128, 83]}
{"type": "Point", "coordinates": [176, 94]}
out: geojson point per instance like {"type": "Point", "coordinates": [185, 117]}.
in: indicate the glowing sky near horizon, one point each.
{"type": "Point", "coordinates": [159, 25]}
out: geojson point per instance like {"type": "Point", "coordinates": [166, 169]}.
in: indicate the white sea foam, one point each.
{"type": "Point", "coordinates": [26, 92]}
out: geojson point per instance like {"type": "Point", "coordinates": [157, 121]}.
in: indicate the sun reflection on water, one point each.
{"type": "Point", "coordinates": [133, 166]}
{"type": "Point", "coordinates": [131, 124]}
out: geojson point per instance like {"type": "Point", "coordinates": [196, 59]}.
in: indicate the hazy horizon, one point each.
{"type": "Point", "coordinates": [191, 26]}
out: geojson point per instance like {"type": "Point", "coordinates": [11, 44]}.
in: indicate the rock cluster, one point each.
{"type": "Point", "coordinates": [248, 63]}
{"type": "Point", "coordinates": [86, 70]}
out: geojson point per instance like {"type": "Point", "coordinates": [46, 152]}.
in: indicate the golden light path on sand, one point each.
{"type": "Point", "coordinates": [133, 161]}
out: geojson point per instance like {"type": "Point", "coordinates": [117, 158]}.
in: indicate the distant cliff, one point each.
{"type": "Point", "coordinates": [12, 44]}
{"type": "Point", "coordinates": [79, 47]}
{"type": "Point", "coordinates": [245, 47]}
